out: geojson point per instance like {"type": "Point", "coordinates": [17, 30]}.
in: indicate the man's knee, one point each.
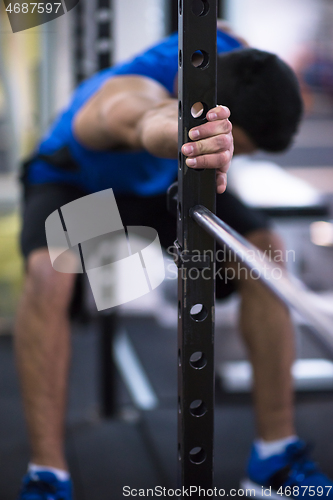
{"type": "Point", "coordinates": [269, 243]}
{"type": "Point", "coordinates": [45, 287]}
{"type": "Point", "coordinates": [269, 251]}
{"type": "Point", "coordinates": [271, 257]}
{"type": "Point", "coordinates": [234, 274]}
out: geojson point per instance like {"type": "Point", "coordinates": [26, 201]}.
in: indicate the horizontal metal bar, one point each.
{"type": "Point", "coordinates": [309, 375]}
{"type": "Point", "coordinates": [292, 292]}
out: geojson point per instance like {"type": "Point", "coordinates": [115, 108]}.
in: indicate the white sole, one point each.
{"type": "Point", "coordinates": [259, 492]}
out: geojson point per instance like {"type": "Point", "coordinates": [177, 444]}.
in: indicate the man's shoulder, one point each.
{"type": "Point", "coordinates": [227, 39]}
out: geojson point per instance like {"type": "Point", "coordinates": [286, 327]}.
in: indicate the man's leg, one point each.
{"type": "Point", "coordinates": [43, 351]}
{"type": "Point", "coordinates": [268, 333]}
{"type": "Point", "coordinates": [264, 323]}
{"type": "Point", "coordinates": [42, 328]}
{"type": "Point", "coordinates": [278, 458]}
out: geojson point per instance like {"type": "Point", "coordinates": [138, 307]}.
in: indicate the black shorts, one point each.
{"type": "Point", "coordinates": [41, 200]}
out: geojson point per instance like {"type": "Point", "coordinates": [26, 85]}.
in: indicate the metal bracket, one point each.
{"type": "Point", "coordinates": [172, 199]}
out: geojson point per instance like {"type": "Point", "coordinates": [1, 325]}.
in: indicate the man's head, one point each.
{"type": "Point", "coordinates": [263, 96]}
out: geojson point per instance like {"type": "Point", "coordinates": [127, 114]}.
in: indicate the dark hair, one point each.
{"type": "Point", "coordinates": [263, 95]}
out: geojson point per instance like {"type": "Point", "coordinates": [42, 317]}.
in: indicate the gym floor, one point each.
{"type": "Point", "coordinates": [137, 448]}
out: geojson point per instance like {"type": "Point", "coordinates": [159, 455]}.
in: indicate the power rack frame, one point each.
{"type": "Point", "coordinates": [196, 249]}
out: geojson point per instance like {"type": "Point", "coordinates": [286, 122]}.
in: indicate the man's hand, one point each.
{"type": "Point", "coordinates": [134, 113]}
{"type": "Point", "coordinates": [212, 145]}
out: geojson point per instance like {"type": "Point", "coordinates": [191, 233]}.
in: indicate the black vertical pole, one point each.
{"type": "Point", "coordinates": [172, 7]}
{"type": "Point", "coordinates": [173, 15]}
{"type": "Point", "coordinates": [78, 42]}
{"type": "Point", "coordinates": [196, 285]}
{"type": "Point", "coordinates": [106, 365]}
{"type": "Point", "coordinates": [221, 9]}
{"type": "Point", "coordinates": [107, 320]}
{"type": "Point", "coordinates": [92, 37]}
{"type": "Point", "coordinates": [104, 41]}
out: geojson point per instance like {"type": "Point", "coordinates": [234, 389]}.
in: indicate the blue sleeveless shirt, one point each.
{"type": "Point", "coordinates": [60, 158]}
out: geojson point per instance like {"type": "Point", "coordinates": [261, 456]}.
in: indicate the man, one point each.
{"type": "Point", "coordinates": [120, 131]}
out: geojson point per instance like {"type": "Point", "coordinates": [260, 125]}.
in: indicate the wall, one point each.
{"type": "Point", "coordinates": [137, 25]}
{"type": "Point", "coordinates": [279, 26]}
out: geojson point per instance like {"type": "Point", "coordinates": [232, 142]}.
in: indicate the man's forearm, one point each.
{"type": "Point", "coordinates": [158, 130]}
{"type": "Point", "coordinates": [117, 115]}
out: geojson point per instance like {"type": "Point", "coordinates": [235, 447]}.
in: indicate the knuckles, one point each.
{"type": "Point", "coordinates": [221, 142]}
{"type": "Point", "coordinates": [210, 129]}
{"type": "Point", "coordinates": [219, 160]}
{"type": "Point", "coordinates": [214, 148]}
{"type": "Point", "coordinates": [199, 148]}
{"type": "Point", "coordinates": [222, 126]}
{"type": "Point", "coordinates": [224, 158]}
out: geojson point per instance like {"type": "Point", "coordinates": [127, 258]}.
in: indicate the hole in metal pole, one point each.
{"type": "Point", "coordinates": [179, 358]}
{"type": "Point", "coordinates": [198, 360]}
{"type": "Point", "coordinates": [179, 210]}
{"type": "Point", "coordinates": [179, 405]}
{"type": "Point", "coordinates": [180, 109]}
{"type": "Point", "coordinates": [197, 455]}
{"type": "Point", "coordinates": [198, 312]}
{"type": "Point", "coordinates": [180, 7]}
{"type": "Point", "coordinates": [200, 59]}
{"type": "Point", "coordinates": [180, 59]}
{"type": "Point", "coordinates": [198, 408]}
{"type": "Point", "coordinates": [179, 453]}
{"type": "Point", "coordinates": [200, 7]}
{"type": "Point", "coordinates": [199, 109]}
{"type": "Point", "coordinates": [180, 160]}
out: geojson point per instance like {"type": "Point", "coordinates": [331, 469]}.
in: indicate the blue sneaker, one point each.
{"type": "Point", "coordinates": [289, 475]}
{"type": "Point", "coordinates": [45, 486]}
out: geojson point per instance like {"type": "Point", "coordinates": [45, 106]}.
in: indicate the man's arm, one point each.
{"type": "Point", "coordinates": [134, 112]}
